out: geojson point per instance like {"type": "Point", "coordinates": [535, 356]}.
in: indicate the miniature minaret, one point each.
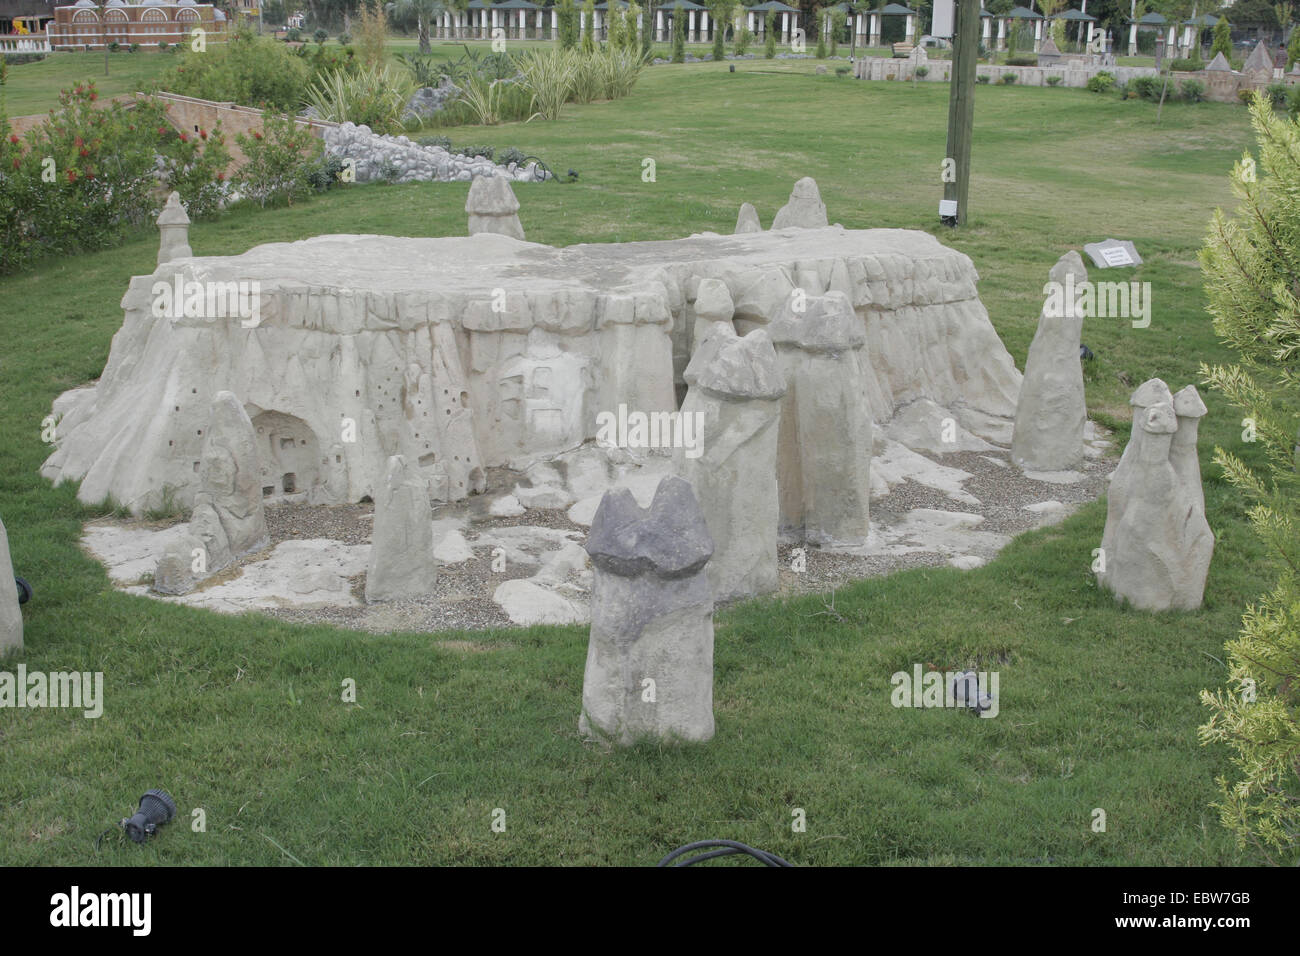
{"type": "Point", "coordinates": [174, 225]}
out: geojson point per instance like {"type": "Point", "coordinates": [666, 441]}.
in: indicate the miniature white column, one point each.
{"type": "Point", "coordinates": [1133, 39]}
{"type": "Point", "coordinates": [858, 28]}
{"type": "Point", "coordinates": [1002, 34]}
{"type": "Point", "coordinates": [1088, 41]}
{"type": "Point", "coordinates": [987, 30]}
{"type": "Point", "coordinates": [555, 19]}
{"type": "Point", "coordinates": [704, 26]}
{"type": "Point", "coordinates": [174, 225]}
{"type": "Point", "coordinates": [785, 28]}
{"type": "Point", "coordinates": [875, 29]}
{"type": "Point", "coordinates": [908, 36]}
{"type": "Point", "coordinates": [1038, 34]}
{"type": "Point", "coordinates": [691, 35]}
{"type": "Point", "coordinates": [659, 25]}
{"type": "Point", "coordinates": [595, 24]}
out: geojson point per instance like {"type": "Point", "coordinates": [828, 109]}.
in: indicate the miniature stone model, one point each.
{"type": "Point", "coordinates": [825, 437]}
{"type": "Point", "coordinates": [747, 220]}
{"type": "Point", "coordinates": [402, 564]}
{"type": "Point", "coordinates": [649, 667]}
{"type": "Point", "coordinates": [805, 208]}
{"type": "Point", "coordinates": [1157, 543]}
{"type": "Point", "coordinates": [467, 353]}
{"type": "Point", "coordinates": [492, 207]}
{"type": "Point", "coordinates": [228, 520]}
{"type": "Point", "coordinates": [11, 615]}
{"type": "Point", "coordinates": [174, 224]}
{"type": "Point", "coordinates": [736, 384]}
{"type": "Point", "coordinates": [1052, 411]}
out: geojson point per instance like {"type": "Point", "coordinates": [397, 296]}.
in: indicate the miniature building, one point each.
{"type": "Point", "coordinates": [148, 23]}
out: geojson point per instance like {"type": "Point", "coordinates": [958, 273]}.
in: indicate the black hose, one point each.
{"type": "Point", "coordinates": [729, 847]}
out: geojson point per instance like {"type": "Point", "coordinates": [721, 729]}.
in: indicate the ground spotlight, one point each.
{"type": "Point", "coordinates": [156, 808]}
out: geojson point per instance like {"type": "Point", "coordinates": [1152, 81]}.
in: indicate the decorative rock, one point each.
{"type": "Point", "coordinates": [825, 436]}
{"type": "Point", "coordinates": [713, 305]}
{"type": "Point", "coordinates": [736, 385]}
{"type": "Point", "coordinates": [492, 207]}
{"type": "Point", "coordinates": [1051, 413]}
{"type": "Point", "coordinates": [402, 564]}
{"type": "Point", "coordinates": [11, 615]}
{"type": "Point", "coordinates": [529, 603]}
{"type": "Point", "coordinates": [174, 225]}
{"type": "Point", "coordinates": [748, 220]}
{"type": "Point", "coordinates": [1157, 544]}
{"type": "Point", "coordinates": [507, 506]}
{"type": "Point", "coordinates": [649, 667]}
{"type": "Point", "coordinates": [453, 549]}
{"type": "Point", "coordinates": [228, 520]}
{"type": "Point", "coordinates": [805, 208]}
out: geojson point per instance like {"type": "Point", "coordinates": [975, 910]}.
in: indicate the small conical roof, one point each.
{"type": "Point", "coordinates": [1219, 64]}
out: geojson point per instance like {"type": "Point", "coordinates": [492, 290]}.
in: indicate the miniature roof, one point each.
{"type": "Point", "coordinates": [1073, 14]}
{"type": "Point", "coordinates": [1152, 19]}
{"type": "Point", "coordinates": [1023, 13]}
{"type": "Point", "coordinates": [1259, 59]}
{"type": "Point", "coordinates": [524, 5]}
{"type": "Point", "coordinates": [1219, 64]}
{"type": "Point", "coordinates": [895, 10]}
{"type": "Point", "coordinates": [775, 6]}
{"type": "Point", "coordinates": [1204, 20]}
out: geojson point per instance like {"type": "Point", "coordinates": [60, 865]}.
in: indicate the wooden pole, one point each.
{"type": "Point", "coordinates": [961, 112]}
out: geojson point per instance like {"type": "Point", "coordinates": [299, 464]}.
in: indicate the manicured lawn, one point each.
{"type": "Point", "coordinates": [242, 716]}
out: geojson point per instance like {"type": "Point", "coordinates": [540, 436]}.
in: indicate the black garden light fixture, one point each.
{"type": "Point", "coordinates": [156, 808]}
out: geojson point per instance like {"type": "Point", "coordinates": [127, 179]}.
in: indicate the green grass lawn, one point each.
{"type": "Point", "coordinates": [242, 716]}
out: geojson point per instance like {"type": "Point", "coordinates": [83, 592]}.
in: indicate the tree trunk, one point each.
{"type": "Point", "coordinates": [422, 29]}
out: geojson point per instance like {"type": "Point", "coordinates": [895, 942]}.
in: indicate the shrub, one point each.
{"type": "Point", "coordinates": [548, 76]}
{"type": "Point", "coordinates": [1192, 90]}
{"type": "Point", "coordinates": [921, 71]}
{"type": "Point", "coordinates": [443, 141]}
{"type": "Point", "coordinates": [619, 70]}
{"type": "Point", "coordinates": [679, 35]}
{"type": "Point", "coordinates": [423, 68]}
{"type": "Point", "coordinates": [511, 155]}
{"type": "Point", "coordinates": [324, 174]}
{"type": "Point", "coordinates": [842, 71]}
{"type": "Point", "coordinates": [1053, 81]}
{"type": "Point", "coordinates": [1293, 101]}
{"type": "Point", "coordinates": [1293, 48]}
{"type": "Point", "coordinates": [483, 99]}
{"type": "Point", "coordinates": [345, 39]}
{"type": "Point", "coordinates": [114, 47]}
{"type": "Point", "coordinates": [162, 46]}
{"type": "Point", "coordinates": [293, 35]}
{"type": "Point", "coordinates": [320, 36]}
{"type": "Point", "coordinates": [279, 160]}
{"type": "Point", "coordinates": [566, 16]}
{"type": "Point", "coordinates": [374, 97]}
{"type": "Point", "coordinates": [246, 70]}
{"type": "Point", "coordinates": [1008, 78]}
{"type": "Point", "coordinates": [103, 161]}
{"type": "Point", "coordinates": [744, 40]}
{"type": "Point", "coordinates": [194, 165]}
{"type": "Point", "coordinates": [1147, 87]}
{"type": "Point", "coordinates": [1102, 82]}
{"type": "Point", "coordinates": [588, 78]}
{"type": "Point", "coordinates": [135, 48]}
{"type": "Point", "coordinates": [769, 35]}
{"type": "Point", "coordinates": [1246, 96]}
{"type": "Point", "coordinates": [981, 79]}
{"type": "Point", "coordinates": [720, 15]}
{"type": "Point", "coordinates": [1193, 64]}
{"type": "Point", "coordinates": [588, 41]}
{"type": "Point", "coordinates": [1276, 93]}
{"type": "Point", "coordinates": [1222, 38]}
{"type": "Point", "coordinates": [1022, 61]}
{"type": "Point", "coordinates": [1248, 266]}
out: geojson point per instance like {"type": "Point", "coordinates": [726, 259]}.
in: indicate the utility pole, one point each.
{"type": "Point", "coordinates": [953, 209]}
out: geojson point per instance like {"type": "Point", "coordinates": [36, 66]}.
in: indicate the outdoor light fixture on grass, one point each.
{"type": "Point", "coordinates": [156, 808]}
